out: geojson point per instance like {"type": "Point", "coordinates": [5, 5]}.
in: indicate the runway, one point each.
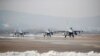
{"type": "Point", "coordinates": [83, 43]}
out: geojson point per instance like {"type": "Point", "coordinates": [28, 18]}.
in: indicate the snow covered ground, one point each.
{"type": "Point", "coordinates": [50, 53]}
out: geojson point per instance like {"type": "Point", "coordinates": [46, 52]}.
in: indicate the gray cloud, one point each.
{"type": "Point", "coordinates": [25, 14]}
{"type": "Point", "coordinates": [61, 8]}
{"type": "Point", "coordinates": [18, 20]}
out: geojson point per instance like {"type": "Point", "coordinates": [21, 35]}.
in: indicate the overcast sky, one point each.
{"type": "Point", "coordinates": [66, 9]}
{"type": "Point", "coordinates": [63, 8]}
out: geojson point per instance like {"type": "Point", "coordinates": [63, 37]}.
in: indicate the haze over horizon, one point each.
{"type": "Point", "coordinates": [44, 14]}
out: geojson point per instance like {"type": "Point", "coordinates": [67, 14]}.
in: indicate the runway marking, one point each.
{"type": "Point", "coordinates": [93, 45]}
